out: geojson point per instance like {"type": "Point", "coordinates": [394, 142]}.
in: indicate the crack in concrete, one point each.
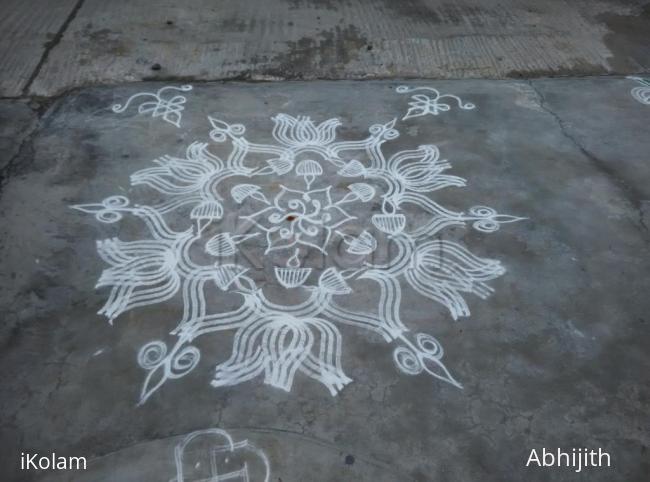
{"type": "Point", "coordinates": [51, 44]}
{"type": "Point", "coordinates": [630, 194]}
{"type": "Point", "coordinates": [42, 107]}
{"type": "Point", "coordinates": [25, 145]}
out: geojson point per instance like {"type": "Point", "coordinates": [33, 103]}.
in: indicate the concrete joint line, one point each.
{"type": "Point", "coordinates": [49, 46]}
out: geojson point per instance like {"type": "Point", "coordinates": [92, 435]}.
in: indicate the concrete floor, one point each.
{"type": "Point", "coordinates": [555, 356]}
{"type": "Point", "coordinates": [46, 50]}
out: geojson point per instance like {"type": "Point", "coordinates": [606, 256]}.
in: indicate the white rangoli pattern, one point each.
{"type": "Point", "coordinates": [170, 110]}
{"type": "Point", "coordinates": [212, 455]}
{"type": "Point", "coordinates": [641, 94]}
{"type": "Point", "coordinates": [311, 213]}
{"type": "Point", "coordinates": [278, 340]}
{"type": "Point", "coordinates": [423, 104]}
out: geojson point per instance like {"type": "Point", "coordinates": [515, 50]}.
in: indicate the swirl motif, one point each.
{"type": "Point", "coordinates": [152, 354]}
{"type": "Point", "coordinates": [641, 94]}
{"type": "Point", "coordinates": [423, 104]}
{"type": "Point", "coordinates": [169, 109]}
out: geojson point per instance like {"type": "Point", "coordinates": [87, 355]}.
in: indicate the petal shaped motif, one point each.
{"type": "Point", "coordinates": [302, 217]}
{"type": "Point", "coordinates": [309, 167]}
{"type": "Point", "coordinates": [299, 132]}
{"type": "Point", "coordinates": [389, 223]}
{"type": "Point", "coordinates": [365, 192]}
{"type": "Point", "coordinates": [224, 275]}
{"type": "Point", "coordinates": [444, 270]}
{"type": "Point", "coordinates": [352, 168]}
{"type": "Point", "coordinates": [331, 281]}
{"type": "Point", "coordinates": [141, 273]}
{"type": "Point", "coordinates": [280, 346]}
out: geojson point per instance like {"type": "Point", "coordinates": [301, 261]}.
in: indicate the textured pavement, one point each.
{"type": "Point", "coordinates": [550, 347]}
{"type": "Point", "coordinates": [288, 265]}
{"type": "Point", "coordinates": [48, 49]}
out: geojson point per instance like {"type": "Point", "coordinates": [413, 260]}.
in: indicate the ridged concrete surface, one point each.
{"type": "Point", "coordinates": [130, 40]}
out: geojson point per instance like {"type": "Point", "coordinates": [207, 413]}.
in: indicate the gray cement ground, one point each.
{"type": "Point", "coordinates": [46, 49]}
{"type": "Point", "coordinates": [556, 357]}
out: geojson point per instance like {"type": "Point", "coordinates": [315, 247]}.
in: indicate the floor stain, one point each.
{"type": "Point", "coordinates": [628, 40]}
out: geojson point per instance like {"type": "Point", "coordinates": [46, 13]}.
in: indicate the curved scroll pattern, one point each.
{"type": "Point", "coordinates": [277, 341]}
{"type": "Point", "coordinates": [169, 109]}
{"type": "Point", "coordinates": [431, 102]}
{"type": "Point", "coordinates": [642, 93]}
